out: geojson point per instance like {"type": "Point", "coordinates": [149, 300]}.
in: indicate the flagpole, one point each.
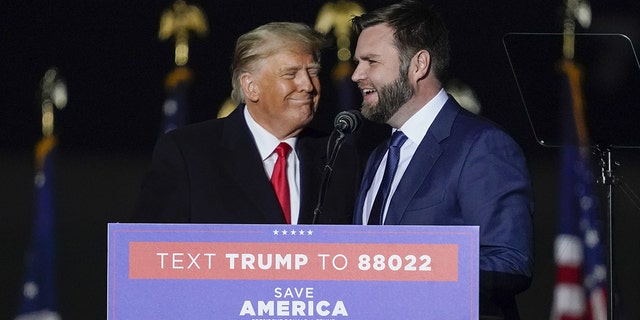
{"type": "Point", "coordinates": [38, 288]}
{"type": "Point", "coordinates": [581, 288]}
{"type": "Point", "coordinates": [178, 22]}
{"type": "Point", "coordinates": [579, 11]}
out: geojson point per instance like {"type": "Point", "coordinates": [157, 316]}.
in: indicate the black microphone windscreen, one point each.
{"type": "Point", "coordinates": [348, 121]}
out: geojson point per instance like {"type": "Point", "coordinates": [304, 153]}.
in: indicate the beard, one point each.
{"type": "Point", "coordinates": [391, 97]}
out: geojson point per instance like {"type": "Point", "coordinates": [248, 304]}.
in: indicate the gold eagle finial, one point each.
{"type": "Point", "coordinates": [178, 22]}
{"type": "Point", "coordinates": [53, 95]}
{"type": "Point", "coordinates": [337, 16]}
{"type": "Point", "coordinates": [575, 10]}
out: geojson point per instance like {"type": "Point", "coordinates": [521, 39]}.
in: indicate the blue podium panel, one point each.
{"type": "Point", "coordinates": [294, 272]}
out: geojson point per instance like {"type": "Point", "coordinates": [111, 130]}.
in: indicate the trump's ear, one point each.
{"type": "Point", "coordinates": [249, 87]}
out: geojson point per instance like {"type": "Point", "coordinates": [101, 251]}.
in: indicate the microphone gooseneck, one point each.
{"type": "Point", "coordinates": [344, 123]}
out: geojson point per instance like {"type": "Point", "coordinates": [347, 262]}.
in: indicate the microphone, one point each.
{"type": "Point", "coordinates": [347, 121]}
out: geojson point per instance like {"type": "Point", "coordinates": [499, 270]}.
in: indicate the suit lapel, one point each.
{"type": "Point", "coordinates": [422, 161]}
{"type": "Point", "coordinates": [245, 161]}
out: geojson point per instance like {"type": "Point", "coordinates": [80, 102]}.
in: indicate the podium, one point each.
{"type": "Point", "coordinates": [320, 272]}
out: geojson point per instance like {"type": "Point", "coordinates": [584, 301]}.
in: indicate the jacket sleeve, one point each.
{"type": "Point", "coordinates": [496, 194]}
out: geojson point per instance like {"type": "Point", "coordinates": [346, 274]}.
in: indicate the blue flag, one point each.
{"type": "Point", "coordinates": [175, 106]}
{"type": "Point", "coordinates": [38, 290]}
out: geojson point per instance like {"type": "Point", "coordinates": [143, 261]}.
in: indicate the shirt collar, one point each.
{"type": "Point", "coordinates": [265, 141]}
{"type": "Point", "coordinates": [417, 126]}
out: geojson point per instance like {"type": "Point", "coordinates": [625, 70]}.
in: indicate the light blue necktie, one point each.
{"type": "Point", "coordinates": [393, 158]}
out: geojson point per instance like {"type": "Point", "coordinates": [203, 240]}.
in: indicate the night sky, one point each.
{"type": "Point", "coordinates": [114, 65]}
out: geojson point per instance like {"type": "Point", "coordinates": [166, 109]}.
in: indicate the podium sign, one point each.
{"type": "Point", "coordinates": [301, 272]}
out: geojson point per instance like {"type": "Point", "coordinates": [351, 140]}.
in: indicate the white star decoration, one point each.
{"type": "Point", "coordinates": [591, 238]}
{"type": "Point", "coordinates": [285, 232]}
{"type": "Point", "coordinates": [31, 290]}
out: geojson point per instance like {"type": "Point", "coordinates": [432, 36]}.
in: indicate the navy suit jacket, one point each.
{"type": "Point", "coordinates": [212, 172]}
{"type": "Point", "coordinates": [467, 171]}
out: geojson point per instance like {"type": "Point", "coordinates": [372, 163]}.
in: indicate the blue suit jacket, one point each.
{"type": "Point", "coordinates": [467, 171]}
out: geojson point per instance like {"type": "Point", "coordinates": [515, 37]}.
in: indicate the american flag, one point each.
{"type": "Point", "coordinates": [581, 271]}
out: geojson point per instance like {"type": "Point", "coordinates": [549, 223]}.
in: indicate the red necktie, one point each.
{"type": "Point", "coordinates": [279, 180]}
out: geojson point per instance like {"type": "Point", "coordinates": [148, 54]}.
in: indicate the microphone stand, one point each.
{"type": "Point", "coordinates": [608, 179]}
{"type": "Point", "coordinates": [328, 169]}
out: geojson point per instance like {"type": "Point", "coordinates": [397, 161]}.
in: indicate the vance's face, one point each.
{"type": "Point", "coordinates": [384, 89]}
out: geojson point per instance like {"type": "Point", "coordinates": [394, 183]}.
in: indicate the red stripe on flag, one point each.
{"type": "Point", "coordinates": [567, 274]}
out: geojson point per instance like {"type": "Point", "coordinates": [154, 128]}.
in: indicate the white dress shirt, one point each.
{"type": "Point", "coordinates": [267, 144]}
{"type": "Point", "coordinates": [415, 129]}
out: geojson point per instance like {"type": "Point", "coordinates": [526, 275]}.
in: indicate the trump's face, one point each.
{"type": "Point", "coordinates": [283, 91]}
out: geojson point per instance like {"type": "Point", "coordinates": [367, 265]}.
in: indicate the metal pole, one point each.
{"type": "Point", "coordinates": [608, 179]}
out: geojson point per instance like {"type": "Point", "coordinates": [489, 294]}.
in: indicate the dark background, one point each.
{"type": "Point", "coordinates": [114, 67]}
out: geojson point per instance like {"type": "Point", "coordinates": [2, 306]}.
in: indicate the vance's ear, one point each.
{"type": "Point", "coordinates": [249, 87]}
{"type": "Point", "coordinates": [420, 65]}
